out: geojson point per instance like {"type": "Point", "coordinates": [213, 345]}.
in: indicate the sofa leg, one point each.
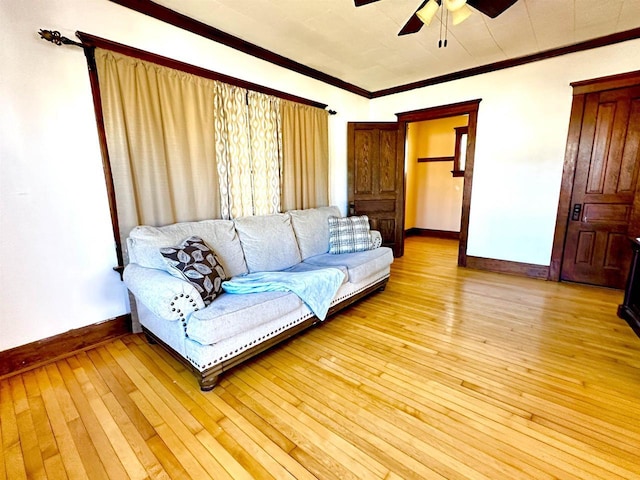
{"type": "Point", "coordinates": [207, 382]}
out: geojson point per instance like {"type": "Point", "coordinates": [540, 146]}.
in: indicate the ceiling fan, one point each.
{"type": "Point", "coordinates": [491, 8]}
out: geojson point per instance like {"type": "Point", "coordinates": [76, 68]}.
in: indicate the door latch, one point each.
{"type": "Point", "coordinates": [575, 215]}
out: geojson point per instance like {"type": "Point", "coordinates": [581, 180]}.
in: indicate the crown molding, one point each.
{"type": "Point", "coordinates": [185, 22]}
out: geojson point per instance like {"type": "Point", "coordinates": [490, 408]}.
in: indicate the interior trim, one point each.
{"type": "Point", "coordinates": [179, 20]}
{"type": "Point", "coordinates": [435, 159]}
{"type": "Point", "coordinates": [505, 266]}
{"type": "Point", "coordinates": [43, 351]}
{"type": "Point", "coordinates": [580, 90]}
{"type": "Point", "coordinates": [461, 108]}
{"type": "Point", "coordinates": [427, 232]}
{"type": "Point", "coordinates": [91, 41]}
{"type": "Point", "coordinates": [513, 62]}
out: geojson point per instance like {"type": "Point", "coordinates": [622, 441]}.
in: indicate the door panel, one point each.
{"type": "Point", "coordinates": [605, 187]}
{"type": "Point", "coordinates": [375, 161]}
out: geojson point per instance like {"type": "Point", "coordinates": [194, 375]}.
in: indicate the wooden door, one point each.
{"type": "Point", "coordinates": [602, 214]}
{"type": "Point", "coordinates": [375, 159]}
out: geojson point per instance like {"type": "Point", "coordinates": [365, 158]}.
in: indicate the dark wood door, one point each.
{"type": "Point", "coordinates": [375, 162]}
{"type": "Point", "coordinates": [602, 215]}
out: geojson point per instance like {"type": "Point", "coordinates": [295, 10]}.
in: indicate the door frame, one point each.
{"type": "Point", "coordinates": [463, 108]}
{"type": "Point", "coordinates": [580, 91]}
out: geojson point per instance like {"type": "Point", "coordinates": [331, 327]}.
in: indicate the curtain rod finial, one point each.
{"type": "Point", "coordinates": [332, 112]}
{"type": "Point", "coordinates": [55, 37]}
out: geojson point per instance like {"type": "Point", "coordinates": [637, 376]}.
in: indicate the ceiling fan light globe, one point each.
{"type": "Point", "coordinates": [460, 15]}
{"type": "Point", "coordinates": [454, 5]}
{"type": "Point", "coordinates": [426, 13]}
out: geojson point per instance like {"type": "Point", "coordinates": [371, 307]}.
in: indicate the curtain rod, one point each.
{"type": "Point", "coordinates": [91, 41]}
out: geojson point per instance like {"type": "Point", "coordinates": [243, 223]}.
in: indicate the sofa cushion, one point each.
{"type": "Point", "coordinates": [349, 234]}
{"type": "Point", "coordinates": [144, 243]}
{"type": "Point", "coordinates": [194, 262]}
{"type": "Point", "coordinates": [233, 314]}
{"type": "Point", "coordinates": [360, 265]}
{"type": "Point", "coordinates": [268, 242]}
{"type": "Point", "coordinates": [312, 229]}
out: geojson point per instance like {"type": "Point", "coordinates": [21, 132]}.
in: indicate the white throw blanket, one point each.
{"type": "Point", "coordinates": [315, 288]}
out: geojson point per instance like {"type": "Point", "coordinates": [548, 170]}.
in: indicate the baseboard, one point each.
{"type": "Point", "coordinates": [426, 232]}
{"type": "Point", "coordinates": [45, 350]}
{"type": "Point", "coordinates": [505, 266]}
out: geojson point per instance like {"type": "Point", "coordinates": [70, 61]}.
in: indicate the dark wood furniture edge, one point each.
{"type": "Point", "coordinates": [207, 379]}
{"type": "Point", "coordinates": [505, 266]}
{"type": "Point", "coordinates": [630, 308]}
{"type": "Point", "coordinates": [631, 317]}
{"type": "Point", "coordinates": [43, 351]}
{"type": "Point", "coordinates": [427, 232]}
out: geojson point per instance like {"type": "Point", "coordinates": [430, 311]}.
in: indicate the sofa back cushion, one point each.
{"type": "Point", "coordinates": [144, 243]}
{"type": "Point", "coordinates": [311, 227]}
{"type": "Point", "coordinates": [268, 242]}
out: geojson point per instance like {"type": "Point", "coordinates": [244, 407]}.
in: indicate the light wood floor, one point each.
{"type": "Point", "coordinates": [449, 373]}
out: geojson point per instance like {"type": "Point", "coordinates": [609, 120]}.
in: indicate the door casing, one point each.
{"type": "Point", "coordinates": [463, 108]}
{"type": "Point", "coordinates": [580, 91]}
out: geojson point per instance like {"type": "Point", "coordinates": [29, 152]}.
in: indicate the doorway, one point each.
{"type": "Point", "coordinates": [434, 176]}
{"type": "Point", "coordinates": [599, 207]}
{"type": "Point", "coordinates": [376, 171]}
{"type": "Point", "coordinates": [470, 109]}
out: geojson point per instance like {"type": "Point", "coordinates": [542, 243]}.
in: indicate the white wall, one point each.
{"type": "Point", "coordinates": [56, 242]}
{"type": "Point", "coordinates": [522, 130]}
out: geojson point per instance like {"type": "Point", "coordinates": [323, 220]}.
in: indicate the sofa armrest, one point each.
{"type": "Point", "coordinates": [166, 296]}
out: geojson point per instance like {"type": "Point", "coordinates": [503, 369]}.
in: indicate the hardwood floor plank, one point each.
{"type": "Point", "coordinates": [449, 373]}
{"type": "Point", "coordinates": [447, 436]}
{"type": "Point", "coordinates": [399, 432]}
{"type": "Point", "coordinates": [99, 437]}
{"type": "Point", "coordinates": [120, 387]}
{"type": "Point", "coordinates": [55, 467]}
{"type": "Point", "coordinates": [172, 414]}
{"type": "Point", "coordinates": [69, 453]}
{"type": "Point", "coordinates": [165, 456]}
{"type": "Point", "coordinates": [14, 464]}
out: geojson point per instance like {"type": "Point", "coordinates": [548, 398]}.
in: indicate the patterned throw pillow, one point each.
{"type": "Point", "coordinates": [194, 262]}
{"type": "Point", "coordinates": [349, 234]}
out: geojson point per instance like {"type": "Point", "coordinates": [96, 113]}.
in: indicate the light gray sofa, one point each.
{"type": "Point", "coordinates": [234, 327]}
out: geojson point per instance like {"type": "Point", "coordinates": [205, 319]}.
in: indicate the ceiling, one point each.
{"type": "Point", "coordinates": [360, 45]}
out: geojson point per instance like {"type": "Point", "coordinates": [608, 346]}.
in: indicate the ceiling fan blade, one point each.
{"type": "Point", "coordinates": [491, 8]}
{"type": "Point", "coordinates": [360, 3]}
{"type": "Point", "coordinates": [414, 24]}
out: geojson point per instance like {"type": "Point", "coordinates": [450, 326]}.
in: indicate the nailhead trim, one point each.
{"type": "Point", "coordinates": [274, 332]}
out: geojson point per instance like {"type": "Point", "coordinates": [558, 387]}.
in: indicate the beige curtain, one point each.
{"type": "Point", "coordinates": [159, 128]}
{"type": "Point", "coordinates": [305, 156]}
